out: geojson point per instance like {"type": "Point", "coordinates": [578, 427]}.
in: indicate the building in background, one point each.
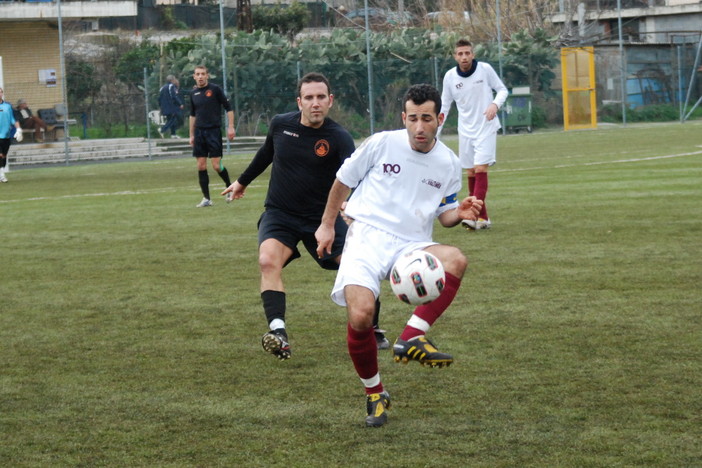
{"type": "Point", "coordinates": [660, 40]}
{"type": "Point", "coordinates": [30, 52]}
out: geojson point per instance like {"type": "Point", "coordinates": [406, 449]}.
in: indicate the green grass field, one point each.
{"type": "Point", "coordinates": [130, 322]}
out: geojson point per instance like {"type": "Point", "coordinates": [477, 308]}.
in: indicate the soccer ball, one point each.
{"type": "Point", "coordinates": [417, 277]}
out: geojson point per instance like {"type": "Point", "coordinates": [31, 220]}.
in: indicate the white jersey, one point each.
{"type": "Point", "coordinates": [472, 95]}
{"type": "Point", "coordinates": [397, 189]}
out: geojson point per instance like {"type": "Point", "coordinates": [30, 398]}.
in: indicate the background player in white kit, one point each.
{"type": "Point", "coordinates": [403, 180]}
{"type": "Point", "coordinates": [471, 85]}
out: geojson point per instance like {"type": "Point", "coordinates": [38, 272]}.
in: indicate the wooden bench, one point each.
{"type": "Point", "coordinates": [54, 118]}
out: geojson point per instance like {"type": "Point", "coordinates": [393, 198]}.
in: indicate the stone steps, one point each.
{"type": "Point", "coordinates": [113, 148]}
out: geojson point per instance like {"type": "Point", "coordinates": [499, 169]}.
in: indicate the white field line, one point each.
{"type": "Point", "coordinates": [113, 194]}
{"type": "Point", "coordinates": [177, 189]}
{"type": "Point", "coordinates": [601, 163]}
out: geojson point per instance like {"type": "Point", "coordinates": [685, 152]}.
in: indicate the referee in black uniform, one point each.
{"type": "Point", "coordinates": [305, 149]}
{"type": "Point", "coordinates": [206, 101]}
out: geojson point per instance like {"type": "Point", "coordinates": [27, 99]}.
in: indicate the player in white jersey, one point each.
{"type": "Point", "coordinates": [403, 181]}
{"type": "Point", "coordinates": [471, 85]}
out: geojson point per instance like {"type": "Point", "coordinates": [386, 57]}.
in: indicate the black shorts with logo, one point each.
{"type": "Point", "coordinates": [208, 142]}
{"type": "Point", "coordinates": [290, 230]}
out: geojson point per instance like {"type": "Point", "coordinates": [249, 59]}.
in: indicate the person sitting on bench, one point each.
{"type": "Point", "coordinates": [28, 120]}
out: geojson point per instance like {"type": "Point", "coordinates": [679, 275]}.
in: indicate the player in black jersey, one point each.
{"type": "Point", "coordinates": [207, 100]}
{"type": "Point", "coordinates": [305, 149]}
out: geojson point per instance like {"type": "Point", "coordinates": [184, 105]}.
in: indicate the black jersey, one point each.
{"type": "Point", "coordinates": [305, 161]}
{"type": "Point", "coordinates": [206, 104]}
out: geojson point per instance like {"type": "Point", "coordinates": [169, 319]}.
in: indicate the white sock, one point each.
{"type": "Point", "coordinates": [276, 324]}
{"type": "Point", "coordinates": [372, 382]}
{"type": "Point", "coordinates": [418, 323]}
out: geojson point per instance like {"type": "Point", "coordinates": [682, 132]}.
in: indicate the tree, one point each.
{"type": "Point", "coordinates": [515, 16]}
{"type": "Point", "coordinates": [287, 21]}
{"type": "Point", "coordinates": [82, 84]}
{"type": "Point", "coordinates": [527, 59]}
{"type": "Point", "coordinates": [244, 20]}
{"type": "Point", "coordinates": [130, 66]}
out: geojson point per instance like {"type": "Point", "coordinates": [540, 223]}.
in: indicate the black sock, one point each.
{"type": "Point", "coordinates": [273, 305]}
{"type": "Point", "coordinates": [225, 177]}
{"type": "Point", "coordinates": [376, 316]}
{"type": "Point", "coordinates": [3, 161]}
{"type": "Point", "coordinates": [204, 183]}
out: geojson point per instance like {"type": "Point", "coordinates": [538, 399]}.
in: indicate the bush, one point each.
{"type": "Point", "coordinates": [612, 113]}
{"type": "Point", "coordinates": [285, 20]}
{"type": "Point", "coordinates": [538, 117]}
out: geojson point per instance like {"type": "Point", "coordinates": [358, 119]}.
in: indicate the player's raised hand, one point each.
{"type": "Point", "coordinates": [470, 208]}
{"type": "Point", "coordinates": [236, 189]}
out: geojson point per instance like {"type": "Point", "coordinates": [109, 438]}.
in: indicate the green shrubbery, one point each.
{"type": "Point", "coordinates": [262, 69]}
{"type": "Point", "coordinates": [612, 113]}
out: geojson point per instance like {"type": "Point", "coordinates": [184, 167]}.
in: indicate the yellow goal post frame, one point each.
{"type": "Point", "coordinates": [579, 93]}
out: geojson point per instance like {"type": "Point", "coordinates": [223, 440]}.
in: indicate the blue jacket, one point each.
{"type": "Point", "coordinates": [7, 120]}
{"type": "Point", "coordinates": [169, 99]}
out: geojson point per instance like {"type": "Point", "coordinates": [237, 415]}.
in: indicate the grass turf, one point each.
{"type": "Point", "coordinates": [130, 321]}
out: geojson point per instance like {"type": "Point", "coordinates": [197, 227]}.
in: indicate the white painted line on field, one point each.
{"type": "Point", "coordinates": [112, 194]}
{"type": "Point", "coordinates": [601, 163]}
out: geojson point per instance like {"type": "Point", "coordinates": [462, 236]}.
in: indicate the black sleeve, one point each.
{"type": "Point", "coordinates": [260, 162]}
{"type": "Point", "coordinates": [347, 146]}
{"type": "Point", "coordinates": [223, 99]}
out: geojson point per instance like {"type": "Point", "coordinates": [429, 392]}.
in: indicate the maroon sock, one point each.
{"type": "Point", "coordinates": [432, 311]}
{"type": "Point", "coordinates": [481, 188]}
{"type": "Point", "coordinates": [471, 185]}
{"type": "Point", "coordinates": [364, 354]}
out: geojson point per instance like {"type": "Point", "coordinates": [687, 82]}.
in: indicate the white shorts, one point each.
{"type": "Point", "coordinates": [477, 151]}
{"type": "Point", "coordinates": [368, 257]}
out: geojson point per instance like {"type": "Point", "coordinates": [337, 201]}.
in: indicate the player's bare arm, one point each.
{"type": "Point", "coordinates": [231, 133]}
{"type": "Point", "coordinates": [469, 208]}
{"type": "Point", "coordinates": [325, 232]}
{"type": "Point", "coordinates": [192, 130]}
{"type": "Point", "coordinates": [236, 189]}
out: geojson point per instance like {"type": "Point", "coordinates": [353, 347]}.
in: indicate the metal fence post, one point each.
{"type": "Point", "coordinates": [146, 107]}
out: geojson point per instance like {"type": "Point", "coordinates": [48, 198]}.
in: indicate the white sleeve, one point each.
{"type": "Point", "coordinates": [500, 89]}
{"type": "Point", "coordinates": [356, 166]}
{"type": "Point", "coordinates": [446, 100]}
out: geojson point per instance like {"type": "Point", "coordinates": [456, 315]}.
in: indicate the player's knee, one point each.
{"type": "Point", "coordinates": [268, 263]}
{"type": "Point", "coordinates": [456, 263]}
{"type": "Point", "coordinates": [361, 318]}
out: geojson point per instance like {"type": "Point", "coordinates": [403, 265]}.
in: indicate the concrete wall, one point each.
{"type": "Point", "coordinates": [26, 48]}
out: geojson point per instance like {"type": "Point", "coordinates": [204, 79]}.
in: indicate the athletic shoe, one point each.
{"type": "Point", "coordinates": [276, 343]}
{"type": "Point", "coordinates": [3, 179]}
{"type": "Point", "coordinates": [483, 223]}
{"type": "Point", "coordinates": [380, 339]}
{"type": "Point", "coordinates": [376, 406]}
{"type": "Point", "coordinates": [175, 137]}
{"type": "Point", "coordinates": [422, 350]}
{"type": "Point", "coordinates": [469, 224]}
{"type": "Point", "coordinates": [205, 202]}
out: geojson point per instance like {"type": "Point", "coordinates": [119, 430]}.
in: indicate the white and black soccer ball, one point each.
{"type": "Point", "coordinates": [417, 277]}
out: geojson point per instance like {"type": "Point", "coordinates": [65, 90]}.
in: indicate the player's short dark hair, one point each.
{"type": "Point", "coordinates": [421, 93]}
{"type": "Point", "coordinates": [201, 66]}
{"type": "Point", "coordinates": [463, 43]}
{"type": "Point", "coordinates": [313, 77]}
